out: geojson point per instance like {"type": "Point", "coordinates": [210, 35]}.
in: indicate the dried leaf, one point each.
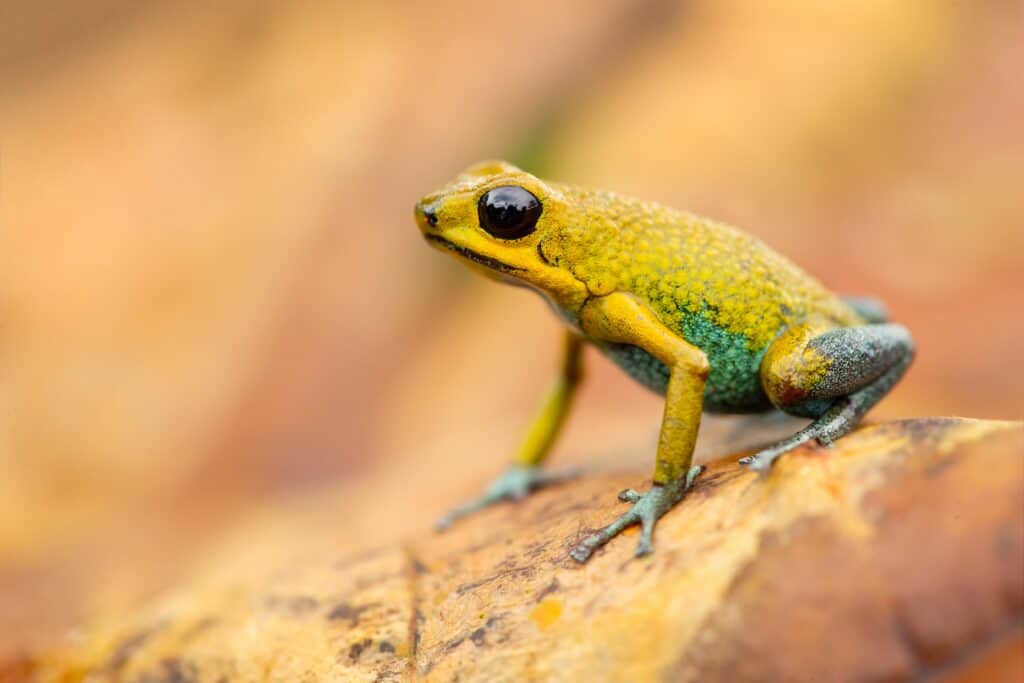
{"type": "Point", "coordinates": [895, 554]}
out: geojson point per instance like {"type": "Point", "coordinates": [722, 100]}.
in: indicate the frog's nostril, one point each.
{"type": "Point", "coordinates": [426, 214]}
{"type": "Point", "coordinates": [430, 216]}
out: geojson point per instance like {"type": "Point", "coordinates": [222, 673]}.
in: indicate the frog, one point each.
{"type": "Point", "coordinates": [702, 313]}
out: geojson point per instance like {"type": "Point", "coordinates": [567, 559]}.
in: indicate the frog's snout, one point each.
{"type": "Point", "coordinates": [426, 216]}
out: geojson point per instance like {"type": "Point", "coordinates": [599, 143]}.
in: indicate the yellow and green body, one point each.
{"type": "Point", "coordinates": [696, 310]}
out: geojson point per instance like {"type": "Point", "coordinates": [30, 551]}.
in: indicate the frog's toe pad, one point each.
{"type": "Point", "coordinates": [763, 460]}
{"type": "Point", "coordinates": [581, 553]}
{"type": "Point", "coordinates": [757, 463]}
{"type": "Point", "coordinates": [629, 496]}
{"type": "Point", "coordinates": [644, 547]}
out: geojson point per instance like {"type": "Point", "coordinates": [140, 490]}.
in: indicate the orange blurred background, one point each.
{"type": "Point", "coordinates": [214, 298]}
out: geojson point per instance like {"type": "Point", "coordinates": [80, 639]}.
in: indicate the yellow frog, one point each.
{"type": "Point", "coordinates": [700, 312]}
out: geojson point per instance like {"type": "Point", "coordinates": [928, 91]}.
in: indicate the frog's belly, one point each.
{"type": "Point", "coordinates": [733, 386]}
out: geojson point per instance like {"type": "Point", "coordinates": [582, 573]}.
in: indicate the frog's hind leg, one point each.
{"type": "Point", "coordinates": [833, 376]}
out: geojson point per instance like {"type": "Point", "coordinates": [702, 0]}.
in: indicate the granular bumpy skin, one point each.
{"type": "Point", "coordinates": [720, 289]}
{"type": "Point", "coordinates": [695, 310]}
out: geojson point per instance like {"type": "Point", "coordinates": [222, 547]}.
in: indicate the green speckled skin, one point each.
{"type": "Point", "coordinates": [733, 385]}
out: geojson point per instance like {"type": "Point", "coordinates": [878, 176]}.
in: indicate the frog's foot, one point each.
{"type": "Point", "coordinates": [515, 483]}
{"type": "Point", "coordinates": [762, 460]}
{"type": "Point", "coordinates": [837, 421]}
{"type": "Point", "coordinates": [646, 511]}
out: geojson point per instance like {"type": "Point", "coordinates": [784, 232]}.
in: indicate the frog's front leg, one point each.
{"type": "Point", "coordinates": [524, 475]}
{"type": "Point", "coordinates": [622, 319]}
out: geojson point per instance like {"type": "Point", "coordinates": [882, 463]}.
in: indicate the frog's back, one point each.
{"type": "Point", "coordinates": [721, 289]}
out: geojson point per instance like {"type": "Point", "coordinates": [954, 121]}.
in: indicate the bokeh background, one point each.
{"type": "Point", "coordinates": [215, 306]}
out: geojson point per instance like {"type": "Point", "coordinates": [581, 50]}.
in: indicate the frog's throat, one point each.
{"type": "Point", "coordinates": [487, 261]}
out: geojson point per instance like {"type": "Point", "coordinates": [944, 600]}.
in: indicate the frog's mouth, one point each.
{"type": "Point", "coordinates": [473, 256]}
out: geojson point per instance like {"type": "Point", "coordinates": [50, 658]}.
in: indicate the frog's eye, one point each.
{"type": "Point", "coordinates": [509, 212]}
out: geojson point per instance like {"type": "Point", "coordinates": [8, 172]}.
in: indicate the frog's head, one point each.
{"type": "Point", "coordinates": [497, 219]}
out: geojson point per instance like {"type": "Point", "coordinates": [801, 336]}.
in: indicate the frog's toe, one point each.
{"type": "Point", "coordinates": [629, 496]}
{"type": "Point", "coordinates": [646, 544]}
{"type": "Point", "coordinates": [756, 462]}
{"type": "Point", "coordinates": [647, 509]}
{"type": "Point", "coordinates": [516, 483]}
{"type": "Point", "coordinates": [763, 460]}
{"type": "Point", "coordinates": [464, 510]}
{"type": "Point", "coordinates": [582, 552]}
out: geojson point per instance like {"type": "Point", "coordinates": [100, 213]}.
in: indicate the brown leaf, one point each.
{"type": "Point", "coordinates": [896, 554]}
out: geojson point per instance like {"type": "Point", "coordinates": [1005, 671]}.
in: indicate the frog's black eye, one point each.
{"type": "Point", "coordinates": [509, 212]}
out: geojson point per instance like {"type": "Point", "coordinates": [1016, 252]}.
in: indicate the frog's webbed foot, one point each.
{"type": "Point", "coordinates": [646, 511]}
{"type": "Point", "coordinates": [515, 483]}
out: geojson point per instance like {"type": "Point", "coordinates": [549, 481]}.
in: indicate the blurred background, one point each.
{"type": "Point", "coordinates": [215, 305]}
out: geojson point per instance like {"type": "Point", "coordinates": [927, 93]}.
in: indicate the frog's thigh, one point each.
{"type": "Point", "coordinates": [810, 366]}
